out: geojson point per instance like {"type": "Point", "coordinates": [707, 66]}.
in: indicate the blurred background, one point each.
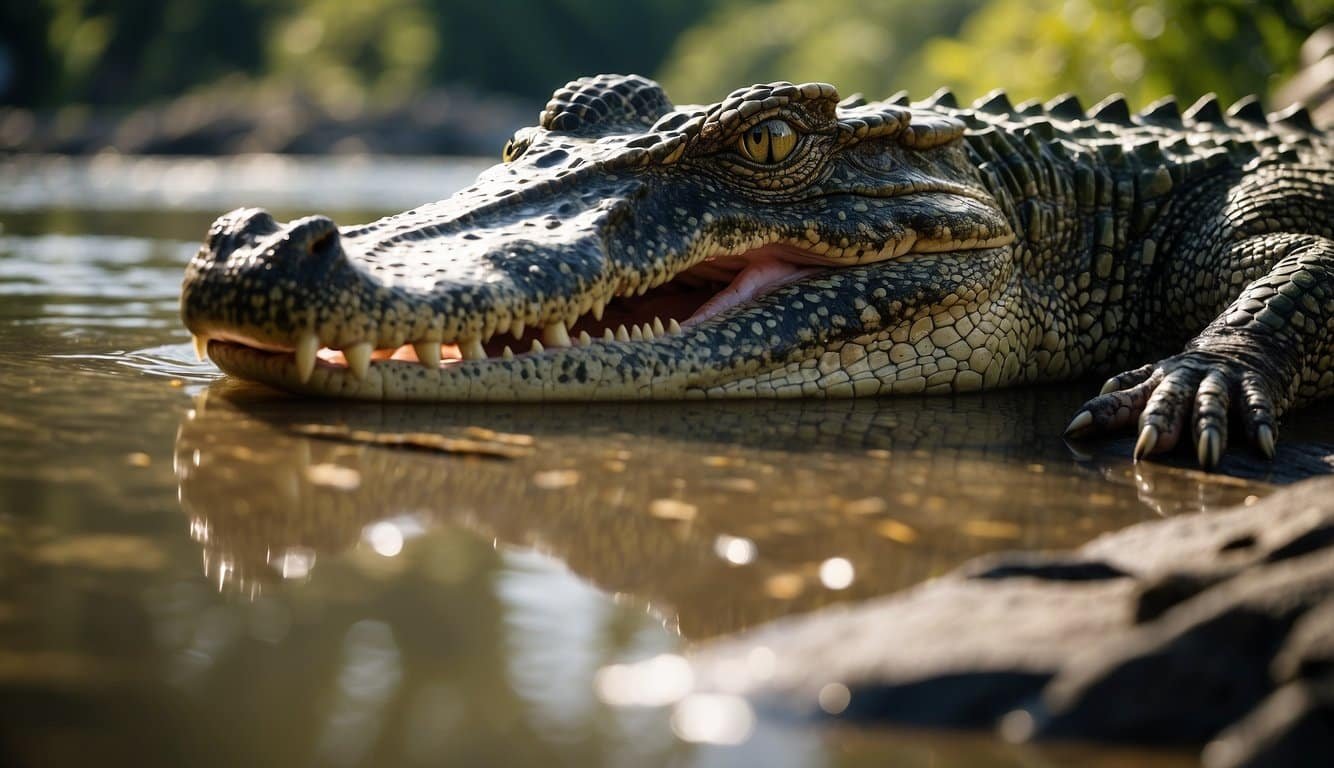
{"type": "Point", "coordinates": [456, 76]}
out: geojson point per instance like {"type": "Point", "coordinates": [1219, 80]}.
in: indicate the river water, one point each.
{"type": "Point", "coordinates": [187, 578]}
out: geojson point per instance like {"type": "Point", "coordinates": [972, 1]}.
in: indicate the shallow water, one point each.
{"type": "Point", "coordinates": [187, 579]}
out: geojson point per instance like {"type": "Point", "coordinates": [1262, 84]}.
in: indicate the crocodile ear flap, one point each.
{"type": "Point", "coordinates": [605, 104]}
{"type": "Point", "coordinates": [873, 121]}
{"type": "Point", "coordinates": [930, 129]}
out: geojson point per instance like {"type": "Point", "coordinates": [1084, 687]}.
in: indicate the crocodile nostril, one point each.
{"type": "Point", "coordinates": [323, 244]}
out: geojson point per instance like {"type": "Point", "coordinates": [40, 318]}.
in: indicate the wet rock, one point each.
{"type": "Point", "coordinates": [1211, 628]}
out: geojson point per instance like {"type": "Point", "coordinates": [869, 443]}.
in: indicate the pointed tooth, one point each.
{"type": "Point", "coordinates": [537, 346]}
{"type": "Point", "coordinates": [635, 333]}
{"type": "Point", "coordinates": [489, 328]}
{"type": "Point", "coordinates": [471, 349]}
{"type": "Point", "coordinates": [598, 306]}
{"type": "Point", "coordinates": [507, 353]}
{"type": "Point", "coordinates": [516, 327]}
{"type": "Point", "coordinates": [585, 339]}
{"type": "Point", "coordinates": [673, 327]}
{"type": "Point", "coordinates": [622, 334]}
{"type": "Point", "coordinates": [359, 358]}
{"type": "Point", "coordinates": [607, 335]}
{"type": "Point", "coordinates": [658, 329]}
{"type": "Point", "coordinates": [428, 352]}
{"type": "Point", "coordinates": [647, 332]}
{"type": "Point", "coordinates": [306, 348]}
{"type": "Point", "coordinates": [555, 335]}
{"type": "Point", "coordinates": [201, 346]}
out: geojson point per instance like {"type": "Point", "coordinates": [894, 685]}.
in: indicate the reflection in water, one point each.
{"type": "Point", "coordinates": [715, 516]}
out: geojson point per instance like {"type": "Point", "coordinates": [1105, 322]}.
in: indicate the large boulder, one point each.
{"type": "Point", "coordinates": [1213, 628]}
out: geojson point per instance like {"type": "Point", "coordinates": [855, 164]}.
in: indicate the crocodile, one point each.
{"type": "Point", "coordinates": [785, 242]}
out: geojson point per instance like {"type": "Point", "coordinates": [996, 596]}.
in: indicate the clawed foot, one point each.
{"type": "Point", "coordinates": [1198, 387]}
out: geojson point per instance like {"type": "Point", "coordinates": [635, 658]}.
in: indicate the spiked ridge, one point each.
{"type": "Point", "coordinates": [785, 242]}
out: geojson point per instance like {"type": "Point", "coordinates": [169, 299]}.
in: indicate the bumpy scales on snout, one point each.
{"type": "Point", "coordinates": [784, 243]}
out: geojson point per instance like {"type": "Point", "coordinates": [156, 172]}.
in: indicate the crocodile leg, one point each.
{"type": "Point", "coordinates": [1271, 350]}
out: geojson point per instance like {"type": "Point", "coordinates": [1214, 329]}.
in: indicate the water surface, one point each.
{"type": "Point", "coordinates": [186, 577]}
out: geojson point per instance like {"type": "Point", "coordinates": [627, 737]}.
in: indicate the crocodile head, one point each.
{"type": "Point", "coordinates": [624, 249]}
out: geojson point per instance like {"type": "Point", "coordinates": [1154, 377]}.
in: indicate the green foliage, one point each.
{"type": "Point", "coordinates": [1144, 48]}
{"type": "Point", "coordinates": [125, 52]}
{"type": "Point", "coordinates": [871, 46]}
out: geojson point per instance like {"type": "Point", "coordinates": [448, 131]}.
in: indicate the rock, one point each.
{"type": "Point", "coordinates": [1214, 626]}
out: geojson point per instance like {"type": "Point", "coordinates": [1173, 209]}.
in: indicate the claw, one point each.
{"type": "Point", "coordinates": [1082, 421]}
{"type": "Point", "coordinates": [1264, 438]}
{"type": "Point", "coordinates": [1148, 438]}
{"type": "Point", "coordinates": [1209, 448]}
{"type": "Point", "coordinates": [1109, 386]}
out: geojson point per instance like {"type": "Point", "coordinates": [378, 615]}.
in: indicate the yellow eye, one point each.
{"type": "Point", "coordinates": [769, 142]}
{"type": "Point", "coordinates": [514, 147]}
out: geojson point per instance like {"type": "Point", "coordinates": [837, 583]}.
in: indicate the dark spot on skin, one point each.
{"type": "Point", "coordinates": [554, 157]}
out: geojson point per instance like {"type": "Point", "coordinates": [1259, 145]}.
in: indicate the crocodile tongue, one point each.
{"type": "Point", "coordinates": [765, 270]}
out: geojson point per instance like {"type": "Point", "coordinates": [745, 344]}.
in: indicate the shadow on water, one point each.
{"type": "Point", "coordinates": [718, 516]}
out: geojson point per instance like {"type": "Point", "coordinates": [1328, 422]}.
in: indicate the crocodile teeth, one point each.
{"type": "Point", "coordinates": [607, 335]}
{"type": "Point", "coordinates": [555, 335]}
{"type": "Point", "coordinates": [585, 339]}
{"type": "Point", "coordinates": [598, 306]}
{"type": "Point", "coordinates": [305, 356]}
{"type": "Point", "coordinates": [471, 349]}
{"type": "Point", "coordinates": [516, 328]}
{"type": "Point", "coordinates": [622, 334]}
{"type": "Point", "coordinates": [635, 333]}
{"type": "Point", "coordinates": [359, 358]}
{"type": "Point", "coordinates": [647, 332]}
{"type": "Point", "coordinates": [428, 352]}
{"type": "Point", "coordinates": [537, 346]}
{"type": "Point", "coordinates": [507, 353]}
{"type": "Point", "coordinates": [201, 346]}
{"type": "Point", "coordinates": [673, 326]}
{"type": "Point", "coordinates": [658, 330]}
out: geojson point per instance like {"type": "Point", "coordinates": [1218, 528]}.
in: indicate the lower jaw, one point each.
{"type": "Point", "coordinates": [465, 381]}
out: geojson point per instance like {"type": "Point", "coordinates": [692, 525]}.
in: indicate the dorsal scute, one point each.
{"type": "Point", "coordinates": [1247, 109]}
{"type": "Point", "coordinates": [1066, 107]}
{"type": "Point", "coordinates": [1205, 111]}
{"type": "Point", "coordinates": [1295, 117]}
{"type": "Point", "coordinates": [994, 103]}
{"type": "Point", "coordinates": [1113, 109]}
{"type": "Point", "coordinates": [604, 104]}
{"type": "Point", "coordinates": [944, 98]}
{"type": "Point", "coordinates": [1163, 112]}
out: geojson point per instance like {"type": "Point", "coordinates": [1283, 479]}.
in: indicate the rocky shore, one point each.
{"type": "Point", "coordinates": [1211, 629]}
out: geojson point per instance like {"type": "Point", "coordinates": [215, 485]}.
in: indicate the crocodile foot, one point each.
{"type": "Point", "coordinates": [1200, 387]}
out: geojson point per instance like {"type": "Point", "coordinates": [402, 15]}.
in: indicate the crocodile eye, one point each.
{"type": "Point", "coordinates": [513, 148]}
{"type": "Point", "coordinates": [769, 142]}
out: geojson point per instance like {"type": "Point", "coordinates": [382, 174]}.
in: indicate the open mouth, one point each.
{"type": "Point", "coordinates": [691, 298]}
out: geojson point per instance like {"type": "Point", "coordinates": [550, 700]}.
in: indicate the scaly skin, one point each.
{"type": "Point", "coordinates": [901, 247]}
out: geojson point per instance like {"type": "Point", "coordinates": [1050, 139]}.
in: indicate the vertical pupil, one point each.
{"type": "Point", "coordinates": [757, 134]}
